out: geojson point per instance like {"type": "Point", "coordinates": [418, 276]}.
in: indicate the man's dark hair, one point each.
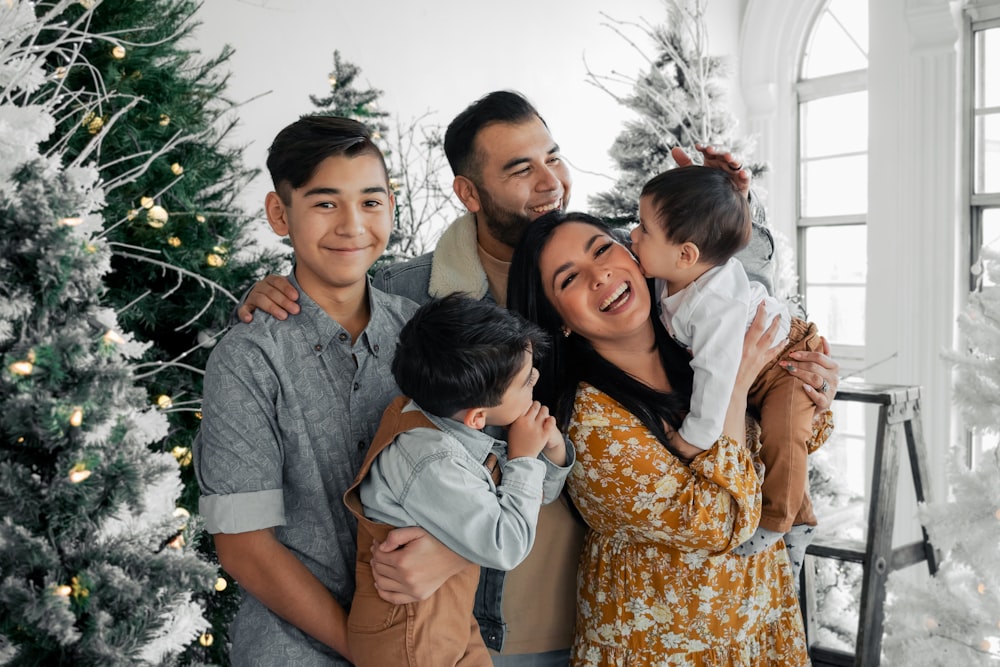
{"type": "Point", "coordinates": [500, 106]}
{"type": "Point", "coordinates": [702, 206]}
{"type": "Point", "coordinates": [457, 352]}
{"type": "Point", "coordinates": [299, 148]}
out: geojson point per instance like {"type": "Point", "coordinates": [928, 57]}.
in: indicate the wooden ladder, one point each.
{"type": "Point", "coordinates": [898, 412]}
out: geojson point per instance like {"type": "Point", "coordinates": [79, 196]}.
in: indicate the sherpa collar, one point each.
{"type": "Point", "coordinates": [456, 266]}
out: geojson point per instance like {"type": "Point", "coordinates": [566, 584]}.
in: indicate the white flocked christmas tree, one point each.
{"type": "Point", "coordinates": [954, 618]}
{"type": "Point", "coordinates": [94, 565]}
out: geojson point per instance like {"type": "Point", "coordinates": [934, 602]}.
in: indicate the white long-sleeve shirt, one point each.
{"type": "Point", "coordinates": [710, 318]}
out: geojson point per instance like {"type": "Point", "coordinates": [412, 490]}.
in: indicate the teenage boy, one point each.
{"type": "Point", "coordinates": [289, 408]}
{"type": "Point", "coordinates": [462, 365]}
{"type": "Point", "coordinates": [508, 172]}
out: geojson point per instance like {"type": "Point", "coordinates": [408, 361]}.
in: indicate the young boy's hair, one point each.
{"type": "Point", "coordinates": [300, 147]}
{"type": "Point", "coordinates": [500, 106]}
{"type": "Point", "coordinates": [457, 352]}
{"type": "Point", "coordinates": [702, 206]}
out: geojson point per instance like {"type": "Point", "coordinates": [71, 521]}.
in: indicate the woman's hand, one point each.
{"type": "Point", "coordinates": [819, 375]}
{"type": "Point", "coordinates": [758, 349]}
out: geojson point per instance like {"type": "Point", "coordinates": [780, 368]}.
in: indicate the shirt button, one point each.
{"type": "Point", "coordinates": [357, 385]}
{"type": "Point", "coordinates": [318, 348]}
{"type": "Point", "coordinates": [361, 445]}
{"type": "Point", "coordinates": [375, 347]}
{"type": "Point", "coordinates": [342, 336]}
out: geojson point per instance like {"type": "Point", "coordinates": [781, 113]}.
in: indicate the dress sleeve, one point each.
{"type": "Point", "coordinates": [625, 483]}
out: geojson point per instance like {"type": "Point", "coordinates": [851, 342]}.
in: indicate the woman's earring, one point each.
{"type": "Point", "coordinates": [566, 332]}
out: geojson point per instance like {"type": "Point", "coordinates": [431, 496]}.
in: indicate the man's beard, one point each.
{"type": "Point", "coordinates": [505, 226]}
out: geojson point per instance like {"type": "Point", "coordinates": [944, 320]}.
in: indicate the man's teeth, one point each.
{"type": "Point", "coordinates": [614, 297]}
{"type": "Point", "coordinates": [548, 207]}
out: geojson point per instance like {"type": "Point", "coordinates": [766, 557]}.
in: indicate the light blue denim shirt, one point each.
{"type": "Point", "coordinates": [436, 479]}
{"type": "Point", "coordinates": [290, 409]}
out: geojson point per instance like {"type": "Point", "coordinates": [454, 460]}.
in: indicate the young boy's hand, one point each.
{"type": "Point", "coordinates": [532, 432]}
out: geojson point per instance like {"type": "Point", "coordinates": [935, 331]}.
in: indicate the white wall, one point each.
{"type": "Point", "coordinates": [440, 55]}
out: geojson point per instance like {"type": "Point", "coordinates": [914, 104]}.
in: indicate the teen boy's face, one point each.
{"type": "Point", "coordinates": [518, 397]}
{"type": "Point", "coordinates": [656, 253]}
{"type": "Point", "coordinates": [338, 222]}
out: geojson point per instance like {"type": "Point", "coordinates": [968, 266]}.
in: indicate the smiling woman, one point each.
{"type": "Point", "coordinates": [658, 583]}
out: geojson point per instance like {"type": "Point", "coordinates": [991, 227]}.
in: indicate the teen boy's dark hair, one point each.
{"type": "Point", "coordinates": [457, 352]}
{"type": "Point", "coordinates": [703, 206]}
{"type": "Point", "coordinates": [300, 147]}
{"type": "Point", "coordinates": [501, 106]}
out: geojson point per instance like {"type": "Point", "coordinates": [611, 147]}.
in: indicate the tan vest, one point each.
{"type": "Point", "coordinates": [439, 631]}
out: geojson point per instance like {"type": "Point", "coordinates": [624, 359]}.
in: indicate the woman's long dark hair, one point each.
{"type": "Point", "coordinates": [572, 360]}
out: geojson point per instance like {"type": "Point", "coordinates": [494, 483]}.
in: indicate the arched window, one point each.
{"type": "Point", "coordinates": [832, 100]}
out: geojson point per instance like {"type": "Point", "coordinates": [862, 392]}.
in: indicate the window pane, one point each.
{"type": "Point", "coordinates": [836, 254]}
{"type": "Point", "coordinates": [835, 125]}
{"type": "Point", "coordinates": [988, 153]}
{"type": "Point", "coordinates": [839, 312]}
{"type": "Point", "coordinates": [835, 186]}
{"type": "Point", "coordinates": [991, 236]}
{"type": "Point", "coordinates": [987, 80]}
{"type": "Point", "coordinates": [839, 43]}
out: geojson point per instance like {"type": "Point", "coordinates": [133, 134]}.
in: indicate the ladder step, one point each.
{"type": "Point", "coordinates": [839, 549]}
{"type": "Point", "coordinates": [830, 657]}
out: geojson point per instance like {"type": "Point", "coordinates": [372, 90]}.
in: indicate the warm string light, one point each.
{"type": "Point", "coordinates": [93, 122]}
{"type": "Point", "coordinates": [981, 589]}
{"type": "Point", "coordinates": [206, 639]}
{"type": "Point", "coordinates": [174, 242]}
{"type": "Point", "coordinates": [70, 222]}
{"type": "Point", "coordinates": [164, 119]}
{"type": "Point", "coordinates": [200, 218]}
{"type": "Point", "coordinates": [79, 473]}
{"type": "Point", "coordinates": [182, 454]}
{"type": "Point", "coordinates": [112, 337]}
{"type": "Point", "coordinates": [118, 53]}
{"type": "Point", "coordinates": [333, 80]}
{"type": "Point", "coordinates": [164, 402]}
{"type": "Point", "coordinates": [21, 368]}
{"type": "Point", "coordinates": [76, 417]}
{"type": "Point", "coordinates": [214, 260]}
{"type": "Point", "coordinates": [146, 202]}
{"type": "Point", "coordinates": [177, 542]}
{"type": "Point", "coordinates": [63, 591]}
{"type": "Point", "coordinates": [183, 515]}
{"type": "Point", "coordinates": [221, 584]}
{"type": "Point", "coordinates": [177, 169]}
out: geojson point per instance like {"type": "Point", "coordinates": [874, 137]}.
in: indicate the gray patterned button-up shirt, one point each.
{"type": "Point", "coordinates": [290, 408]}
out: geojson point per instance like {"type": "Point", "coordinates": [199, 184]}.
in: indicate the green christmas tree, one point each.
{"type": "Point", "coordinates": [96, 560]}
{"type": "Point", "coordinates": [153, 116]}
{"type": "Point", "coordinates": [954, 618]}
{"type": "Point", "coordinates": [679, 100]}
{"type": "Point", "coordinates": [414, 155]}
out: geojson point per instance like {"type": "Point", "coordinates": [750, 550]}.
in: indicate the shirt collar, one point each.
{"type": "Point", "coordinates": [478, 443]}
{"type": "Point", "coordinates": [324, 331]}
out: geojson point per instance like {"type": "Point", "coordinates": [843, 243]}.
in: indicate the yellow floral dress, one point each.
{"type": "Point", "coordinates": [656, 584]}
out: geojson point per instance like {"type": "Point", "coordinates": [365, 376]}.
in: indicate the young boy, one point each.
{"type": "Point", "coordinates": [290, 408]}
{"type": "Point", "coordinates": [692, 221]}
{"type": "Point", "coordinates": [462, 365]}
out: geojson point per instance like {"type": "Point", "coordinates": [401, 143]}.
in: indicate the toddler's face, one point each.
{"type": "Point", "coordinates": [656, 253]}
